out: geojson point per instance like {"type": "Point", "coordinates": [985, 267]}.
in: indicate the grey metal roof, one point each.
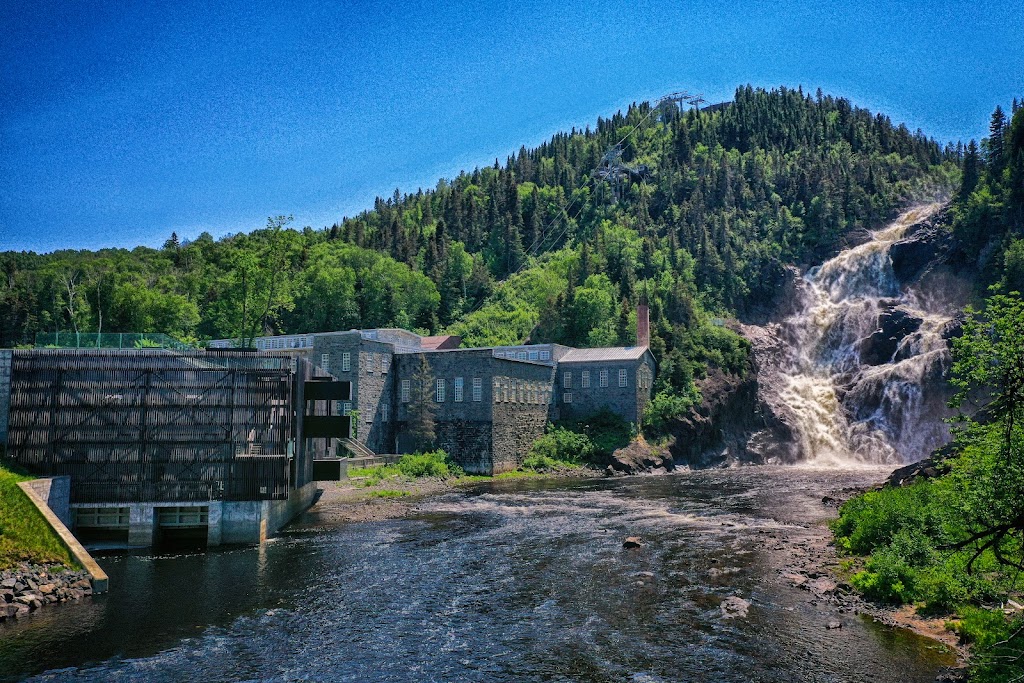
{"type": "Point", "coordinates": [614, 353]}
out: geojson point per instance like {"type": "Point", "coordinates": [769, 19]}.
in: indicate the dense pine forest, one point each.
{"type": "Point", "coordinates": [699, 216]}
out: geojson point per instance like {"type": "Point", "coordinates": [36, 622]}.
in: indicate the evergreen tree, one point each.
{"type": "Point", "coordinates": [421, 408]}
{"type": "Point", "coordinates": [996, 148]}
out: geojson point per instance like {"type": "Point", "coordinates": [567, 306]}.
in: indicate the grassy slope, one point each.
{"type": "Point", "coordinates": [24, 534]}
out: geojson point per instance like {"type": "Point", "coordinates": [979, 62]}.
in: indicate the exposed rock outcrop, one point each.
{"type": "Point", "coordinates": [893, 325]}
{"type": "Point", "coordinates": [739, 419]}
{"type": "Point", "coordinates": [638, 457]}
{"type": "Point", "coordinates": [926, 245]}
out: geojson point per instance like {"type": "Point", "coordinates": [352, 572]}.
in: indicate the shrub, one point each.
{"type": "Point", "coordinates": [666, 406]}
{"type": "Point", "coordinates": [560, 445]}
{"type": "Point", "coordinates": [430, 464]}
{"type": "Point", "coordinates": [606, 431]}
{"type": "Point", "coordinates": [887, 577]}
{"type": "Point", "coordinates": [875, 518]}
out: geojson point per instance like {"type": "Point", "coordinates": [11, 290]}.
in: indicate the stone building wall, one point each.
{"type": "Point", "coordinates": [462, 428]}
{"type": "Point", "coordinates": [488, 436]}
{"type": "Point", "coordinates": [370, 370]}
{"type": "Point", "coordinates": [628, 401]}
{"type": "Point", "coordinates": [520, 418]}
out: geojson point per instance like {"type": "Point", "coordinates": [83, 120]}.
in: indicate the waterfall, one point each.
{"type": "Point", "coordinates": [864, 357]}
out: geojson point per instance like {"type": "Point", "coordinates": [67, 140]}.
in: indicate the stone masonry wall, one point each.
{"type": "Point", "coordinates": [370, 370]}
{"type": "Point", "coordinates": [521, 416]}
{"type": "Point", "coordinates": [628, 401]}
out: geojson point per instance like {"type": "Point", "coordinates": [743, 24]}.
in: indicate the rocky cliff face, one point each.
{"type": "Point", "coordinates": [850, 366]}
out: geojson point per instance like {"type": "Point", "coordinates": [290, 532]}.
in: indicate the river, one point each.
{"type": "Point", "coordinates": [517, 580]}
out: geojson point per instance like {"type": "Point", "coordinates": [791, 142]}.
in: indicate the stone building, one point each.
{"type": "Point", "coordinates": [487, 410]}
{"type": "Point", "coordinates": [490, 404]}
{"type": "Point", "coordinates": [614, 379]}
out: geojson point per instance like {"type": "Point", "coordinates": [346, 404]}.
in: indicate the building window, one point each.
{"type": "Point", "coordinates": [567, 380]}
{"type": "Point", "coordinates": [497, 390]}
{"type": "Point", "coordinates": [521, 355]}
{"type": "Point", "coordinates": [346, 362]}
{"type": "Point", "coordinates": [458, 390]}
{"type": "Point", "coordinates": [622, 378]}
{"type": "Point", "coordinates": [545, 355]}
{"type": "Point", "coordinates": [325, 360]}
{"type": "Point", "coordinates": [603, 378]}
{"type": "Point", "coordinates": [371, 361]}
{"type": "Point", "coordinates": [439, 391]}
{"type": "Point", "coordinates": [384, 413]}
{"type": "Point", "coordinates": [499, 354]}
{"type": "Point", "coordinates": [643, 377]}
{"type": "Point", "coordinates": [504, 391]}
{"type": "Point", "coordinates": [533, 355]}
{"type": "Point", "coordinates": [478, 388]}
{"type": "Point", "coordinates": [585, 379]}
{"type": "Point", "coordinates": [406, 390]}
{"type": "Point", "coordinates": [567, 397]}
{"type": "Point", "coordinates": [344, 407]}
{"type": "Point", "coordinates": [384, 364]}
{"type": "Point", "coordinates": [293, 364]}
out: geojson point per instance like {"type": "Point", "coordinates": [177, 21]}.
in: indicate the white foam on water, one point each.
{"type": "Point", "coordinates": [850, 414]}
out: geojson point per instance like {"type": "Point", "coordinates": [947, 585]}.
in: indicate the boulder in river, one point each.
{"type": "Point", "coordinates": [633, 542]}
{"type": "Point", "coordinates": [735, 607]}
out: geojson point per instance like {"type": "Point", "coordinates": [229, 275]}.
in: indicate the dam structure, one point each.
{"type": "Point", "coordinates": [162, 444]}
{"type": "Point", "coordinates": [220, 445]}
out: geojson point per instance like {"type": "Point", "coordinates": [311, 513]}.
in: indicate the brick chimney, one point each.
{"type": "Point", "coordinates": [643, 324]}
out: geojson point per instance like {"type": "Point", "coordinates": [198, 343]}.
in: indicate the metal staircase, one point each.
{"type": "Point", "coordinates": [357, 449]}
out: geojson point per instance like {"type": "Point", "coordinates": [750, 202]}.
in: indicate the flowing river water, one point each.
{"type": "Point", "coordinates": [518, 580]}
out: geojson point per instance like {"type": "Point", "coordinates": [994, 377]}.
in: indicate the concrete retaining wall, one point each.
{"type": "Point", "coordinates": [97, 576]}
{"type": "Point", "coordinates": [56, 493]}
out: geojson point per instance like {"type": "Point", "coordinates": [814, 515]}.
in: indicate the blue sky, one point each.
{"type": "Point", "coordinates": [121, 122]}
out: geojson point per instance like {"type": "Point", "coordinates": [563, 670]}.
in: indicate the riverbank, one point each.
{"type": "Point", "coordinates": [821, 557]}
{"type": "Point", "coordinates": [25, 588]}
{"type": "Point", "coordinates": [365, 499]}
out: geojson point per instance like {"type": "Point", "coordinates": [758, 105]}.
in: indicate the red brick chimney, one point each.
{"type": "Point", "coordinates": [643, 324]}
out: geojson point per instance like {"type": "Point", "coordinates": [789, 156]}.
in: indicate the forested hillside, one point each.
{"type": "Point", "coordinates": [708, 210]}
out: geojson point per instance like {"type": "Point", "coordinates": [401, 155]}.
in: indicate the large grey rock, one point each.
{"type": "Point", "coordinates": [927, 244]}
{"type": "Point", "coordinates": [893, 325]}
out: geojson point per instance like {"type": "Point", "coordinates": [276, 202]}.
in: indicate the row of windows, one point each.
{"type": "Point", "coordinates": [524, 355]}
{"type": "Point", "coordinates": [345, 408]}
{"type": "Point", "coordinates": [602, 379]}
{"type": "Point", "coordinates": [441, 390]}
{"type": "Point", "coordinates": [370, 362]}
{"type": "Point", "coordinates": [267, 344]}
{"type": "Point", "coordinates": [509, 390]}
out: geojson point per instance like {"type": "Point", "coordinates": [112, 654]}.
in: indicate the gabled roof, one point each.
{"type": "Point", "coordinates": [612, 354]}
{"type": "Point", "coordinates": [448, 341]}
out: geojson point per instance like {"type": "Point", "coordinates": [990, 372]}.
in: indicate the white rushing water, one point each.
{"type": "Point", "coordinates": [847, 411]}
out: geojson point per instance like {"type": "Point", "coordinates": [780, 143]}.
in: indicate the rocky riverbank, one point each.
{"type": "Point", "coordinates": [27, 588]}
{"type": "Point", "coordinates": [812, 564]}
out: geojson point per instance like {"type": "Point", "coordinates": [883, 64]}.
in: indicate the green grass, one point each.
{"type": "Point", "coordinates": [25, 535]}
{"type": "Point", "coordinates": [388, 493]}
{"type": "Point", "coordinates": [413, 466]}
